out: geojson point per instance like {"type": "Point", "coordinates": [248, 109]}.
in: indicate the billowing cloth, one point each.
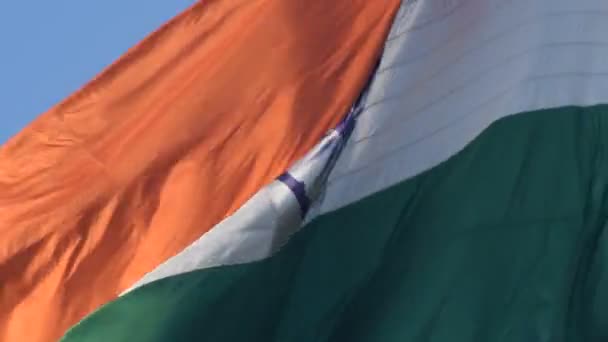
{"type": "Point", "coordinates": [468, 204]}
{"type": "Point", "coordinates": [166, 143]}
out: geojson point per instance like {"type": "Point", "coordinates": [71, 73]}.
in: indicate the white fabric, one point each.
{"type": "Point", "coordinates": [452, 67]}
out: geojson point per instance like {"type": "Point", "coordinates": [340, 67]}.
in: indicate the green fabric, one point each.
{"type": "Point", "coordinates": [506, 241]}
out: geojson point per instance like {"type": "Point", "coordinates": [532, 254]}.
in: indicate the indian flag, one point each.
{"type": "Point", "coordinates": [272, 170]}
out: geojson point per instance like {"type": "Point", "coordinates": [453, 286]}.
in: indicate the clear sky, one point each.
{"type": "Point", "coordinates": [49, 48]}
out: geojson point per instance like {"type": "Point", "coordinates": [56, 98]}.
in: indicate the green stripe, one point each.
{"type": "Point", "coordinates": [503, 242]}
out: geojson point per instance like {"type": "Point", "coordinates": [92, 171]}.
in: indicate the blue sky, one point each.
{"type": "Point", "coordinates": [48, 49]}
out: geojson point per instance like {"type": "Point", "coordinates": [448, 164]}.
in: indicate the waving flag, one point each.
{"type": "Point", "coordinates": [276, 183]}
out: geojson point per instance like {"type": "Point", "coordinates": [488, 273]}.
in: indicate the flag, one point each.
{"type": "Point", "coordinates": [461, 196]}
{"type": "Point", "coordinates": [467, 204]}
{"type": "Point", "coordinates": [167, 142]}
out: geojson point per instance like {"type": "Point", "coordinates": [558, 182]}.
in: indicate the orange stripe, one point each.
{"type": "Point", "coordinates": [165, 143]}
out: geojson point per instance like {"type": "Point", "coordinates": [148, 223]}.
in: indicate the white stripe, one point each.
{"type": "Point", "coordinates": [452, 67]}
